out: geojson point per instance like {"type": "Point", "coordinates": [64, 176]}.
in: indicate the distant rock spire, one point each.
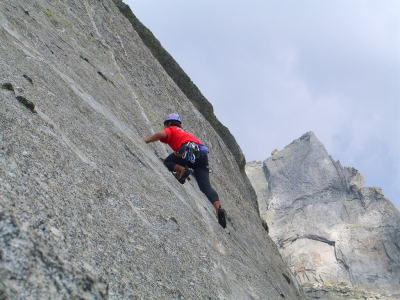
{"type": "Point", "coordinates": [332, 231]}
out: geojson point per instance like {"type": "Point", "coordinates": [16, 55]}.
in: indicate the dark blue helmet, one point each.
{"type": "Point", "coordinates": [173, 117]}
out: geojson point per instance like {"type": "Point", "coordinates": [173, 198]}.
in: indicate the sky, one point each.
{"type": "Point", "coordinates": [276, 69]}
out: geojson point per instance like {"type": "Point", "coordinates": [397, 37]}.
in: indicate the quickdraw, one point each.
{"type": "Point", "coordinates": [191, 150]}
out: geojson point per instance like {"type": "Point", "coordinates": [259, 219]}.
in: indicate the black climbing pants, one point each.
{"type": "Point", "coordinates": [201, 172]}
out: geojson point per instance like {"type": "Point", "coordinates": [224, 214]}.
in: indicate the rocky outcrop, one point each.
{"type": "Point", "coordinates": [339, 238]}
{"type": "Point", "coordinates": [88, 210]}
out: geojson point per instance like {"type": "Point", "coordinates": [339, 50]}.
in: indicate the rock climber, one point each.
{"type": "Point", "coordinates": [189, 156]}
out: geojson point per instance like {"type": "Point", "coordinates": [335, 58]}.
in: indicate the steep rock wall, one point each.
{"type": "Point", "coordinates": [340, 239]}
{"type": "Point", "coordinates": [88, 210]}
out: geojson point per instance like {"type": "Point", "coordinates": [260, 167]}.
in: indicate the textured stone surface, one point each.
{"type": "Point", "coordinates": [30, 270]}
{"type": "Point", "coordinates": [88, 209]}
{"type": "Point", "coordinates": [335, 234]}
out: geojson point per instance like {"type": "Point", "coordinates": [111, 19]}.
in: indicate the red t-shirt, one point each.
{"type": "Point", "coordinates": [177, 136]}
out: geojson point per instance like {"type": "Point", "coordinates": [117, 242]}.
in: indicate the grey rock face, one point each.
{"type": "Point", "coordinates": [24, 252]}
{"type": "Point", "coordinates": [87, 209]}
{"type": "Point", "coordinates": [335, 234]}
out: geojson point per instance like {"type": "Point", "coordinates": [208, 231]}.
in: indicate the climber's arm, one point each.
{"type": "Point", "coordinates": [155, 137]}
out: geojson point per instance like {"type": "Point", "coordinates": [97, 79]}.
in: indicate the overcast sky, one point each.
{"type": "Point", "coordinates": [274, 70]}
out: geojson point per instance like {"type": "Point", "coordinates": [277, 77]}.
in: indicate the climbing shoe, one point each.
{"type": "Point", "coordinates": [184, 175]}
{"type": "Point", "coordinates": [221, 217]}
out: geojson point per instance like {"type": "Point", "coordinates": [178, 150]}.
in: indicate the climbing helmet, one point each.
{"type": "Point", "coordinates": [173, 117]}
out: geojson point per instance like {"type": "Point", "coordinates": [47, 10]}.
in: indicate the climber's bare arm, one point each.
{"type": "Point", "coordinates": [155, 137]}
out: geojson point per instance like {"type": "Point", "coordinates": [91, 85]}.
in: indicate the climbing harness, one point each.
{"type": "Point", "coordinates": [192, 151]}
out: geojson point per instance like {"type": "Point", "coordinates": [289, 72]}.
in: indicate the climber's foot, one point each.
{"type": "Point", "coordinates": [184, 175]}
{"type": "Point", "coordinates": [222, 217]}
